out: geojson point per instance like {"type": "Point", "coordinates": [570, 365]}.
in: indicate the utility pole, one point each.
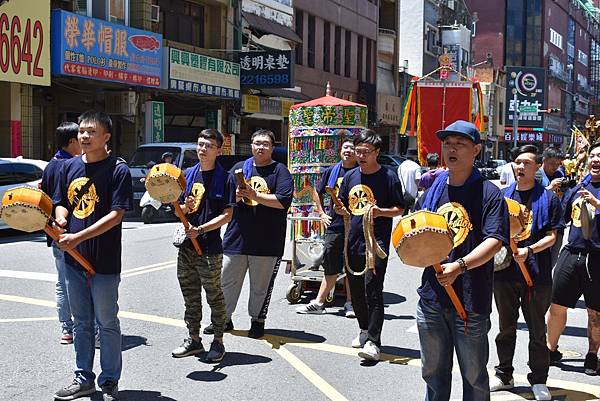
{"type": "Point", "coordinates": [515, 127]}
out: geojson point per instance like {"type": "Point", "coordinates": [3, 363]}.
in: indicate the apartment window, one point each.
{"type": "Point", "coordinates": [300, 32]}
{"type": "Point", "coordinates": [431, 39]}
{"type": "Point", "coordinates": [182, 23]}
{"type": "Point", "coordinates": [556, 38]}
{"type": "Point", "coordinates": [348, 53]}
{"type": "Point", "coordinates": [327, 46]}
{"type": "Point", "coordinates": [337, 56]}
{"type": "Point", "coordinates": [311, 41]}
{"type": "Point", "coordinates": [369, 60]}
{"type": "Point", "coordinates": [582, 57]}
{"type": "Point", "coordinates": [116, 11]}
{"type": "Point", "coordinates": [360, 57]}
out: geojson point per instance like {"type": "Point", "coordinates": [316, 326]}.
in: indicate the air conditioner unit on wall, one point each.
{"type": "Point", "coordinates": [450, 4]}
{"type": "Point", "coordinates": [155, 17]}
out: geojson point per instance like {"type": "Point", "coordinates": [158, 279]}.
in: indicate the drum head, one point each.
{"type": "Point", "coordinates": [163, 188]}
{"type": "Point", "coordinates": [425, 248]}
{"type": "Point", "coordinates": [24, 217]}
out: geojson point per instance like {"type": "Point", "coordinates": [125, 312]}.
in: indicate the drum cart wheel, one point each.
{"type": "Point", "coordinates": [294, 292]}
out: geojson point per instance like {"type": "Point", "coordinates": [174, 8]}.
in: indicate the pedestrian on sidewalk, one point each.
{"type": "Point", "coordinates": [209, 198]}
{"type": "Point", "coordinates": [90, 222]}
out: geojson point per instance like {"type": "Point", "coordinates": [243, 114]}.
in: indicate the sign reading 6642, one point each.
{"type": "Point", "coordinates": [25, 42]}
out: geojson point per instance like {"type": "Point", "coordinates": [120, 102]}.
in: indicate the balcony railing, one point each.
{"type": "Point", "coordinates": [386, 41]}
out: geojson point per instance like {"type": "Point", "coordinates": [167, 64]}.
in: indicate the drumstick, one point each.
{"type": "Point", "coordinates": [73, 252]}
{"type": "Point", "coordinates": [453, 297]}
{"type": "Point", "coordinates": [522, 267]}
{"type": "Point", "coordinates": [334, 197]}
{"type": "Point", "coordinates": [241, 181]}
{"type": "Point", "coordinates": [186, 225]}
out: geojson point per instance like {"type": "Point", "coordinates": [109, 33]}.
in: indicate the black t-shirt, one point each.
{"type": "Point", "coordinates": [539, 264]}
{"type": "Point", "coordinates": [259, 230]}
{"type": "Point", "coordinates": [111, 191]}
{"type": "Point", "coordinates": [337, 222]}
{"type": "Point", "coordinates": [50, 178]}
{"type": "Point", "coordinates": [572, 207]}
{"type": "Point", "coordinates": [382, 188]}
{"type": "Point", "coordinates": [474, 213]}
{"type": "Point", "coordinates": [208, 206]}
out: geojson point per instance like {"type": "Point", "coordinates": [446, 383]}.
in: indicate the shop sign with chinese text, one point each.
{"type": "Point", "coordinates": [25, 42]}
{"type": "Point", "coordinates": [97, 49]}
{"type": "Point", "coordinates": [197, 73]}
{"type": "Point", "coordinates": [267, 69]}
{"type": "Point", "coordinates": [528, 84]}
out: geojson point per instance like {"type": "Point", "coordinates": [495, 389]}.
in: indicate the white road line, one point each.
{"type": "Point", "coordinates": [413, 329]}
{"type": "Point", "coordinates": [50, 277]}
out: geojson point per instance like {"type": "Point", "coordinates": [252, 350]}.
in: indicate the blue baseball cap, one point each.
{"type": "Point", "coordinates": [460, 128]}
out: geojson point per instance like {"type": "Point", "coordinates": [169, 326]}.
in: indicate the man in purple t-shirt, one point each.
{"type": "Point", "coordinates": [429, 177]}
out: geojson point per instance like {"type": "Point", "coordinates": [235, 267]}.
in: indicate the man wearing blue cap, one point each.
{"type": "Point", "coordinates": [478, 218]}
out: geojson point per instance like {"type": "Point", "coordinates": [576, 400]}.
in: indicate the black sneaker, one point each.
{"type": "Point", "coordinates": [75, 390]}
{"type": "Point", "coordinates": [590, 365]}
{"type": "Point", "coordinates": [216, 352]}
{"type": "Point", "coordinates": [555, 356]}
{"type": "Point", "coordinates": [188, 348]}
{"type": "Point", "coordinates": [211, 330]}
{"type": "Point", "coordinates": [110, 391]}
{"type": "Point", "coordinates": [257, 330]}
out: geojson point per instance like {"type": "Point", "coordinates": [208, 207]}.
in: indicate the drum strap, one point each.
{"type": "Point", "coordinates": [79, 194]}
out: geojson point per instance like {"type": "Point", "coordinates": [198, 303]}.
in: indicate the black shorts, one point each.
{"type": "Point", "coordinates": [576, 274]}
{"type": "Point", "coordinates": [333, 256]}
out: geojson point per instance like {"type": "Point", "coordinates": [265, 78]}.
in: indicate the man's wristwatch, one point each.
{"type": "Point", "coordinates": [463, 265]}
{"type": "Point", "coordinates": [529, 251]}
{"type": "Point", "coordinates": [200, 230]}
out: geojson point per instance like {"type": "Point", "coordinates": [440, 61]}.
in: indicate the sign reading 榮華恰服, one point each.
{"type": "Point", "coordinates": [97, 49]}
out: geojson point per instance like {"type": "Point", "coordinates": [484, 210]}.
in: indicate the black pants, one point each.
{"type": "Point", "coordinates": [509, 296]}
{"type": "Point", "coordinates": [367, 296]}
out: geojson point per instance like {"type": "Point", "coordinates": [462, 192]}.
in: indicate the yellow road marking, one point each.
{"type": "Point", "coordinates": [310, 374]}
{"type": "Point", "coordinates": [28, 319]}
{"type": "Point", "coordinates": [276, 343]}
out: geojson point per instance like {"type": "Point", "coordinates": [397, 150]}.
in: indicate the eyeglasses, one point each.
{"type": "Point", "coordinates": [363, 151]}
{"type": "Point", "coordinates": [265, 145]}
{"type": "Point", "coordinates": [207, 145]}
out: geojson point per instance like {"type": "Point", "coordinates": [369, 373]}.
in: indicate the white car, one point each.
{"type": "Point", "coordinates": [18, 171]}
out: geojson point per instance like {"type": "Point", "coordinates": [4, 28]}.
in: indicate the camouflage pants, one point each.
{"type": "Point", "coordinates": [194, 273]}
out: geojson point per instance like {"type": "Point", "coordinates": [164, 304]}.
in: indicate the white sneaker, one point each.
{"type": "Point", "coordinates": [349, 310]}
{"type": "Point", "coordinates": [496, 384]}
{"type": "Point", "coordinates": [313, 308]}
{"type": "Point", "coordinates": [370, 351]}
{"type": "Point", "coordinates": [360, 340]}
{"type": "Point", "coordinates": [541, 392]}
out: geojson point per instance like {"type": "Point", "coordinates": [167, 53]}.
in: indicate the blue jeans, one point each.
{"type": "Point", "coordinates": [94, 300]}
{"type": "Point", "coordinates": [62, 298]}
{"type": "Point", "coordinates": [441, 331]}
